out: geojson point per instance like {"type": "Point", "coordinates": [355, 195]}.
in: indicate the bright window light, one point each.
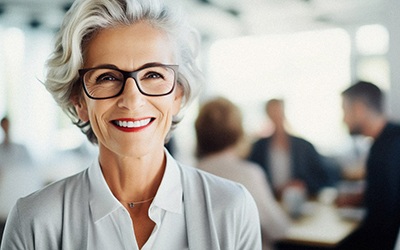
{"type": "Point", "coordinates": [376, 70]}
{"type": "Point", "coordinates": [372, 40]}
{"type": "Point", "coordinates": [12, 51]}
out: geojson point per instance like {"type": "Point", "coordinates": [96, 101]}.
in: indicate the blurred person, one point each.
{"type": "Point", "coordinates": [290, 161]}
{"type": "Point", "coordinates": [363, 108]}
{"type": "Point", "coordinates": [11, 153]}
{"type": "Point", "coordinates": [219, 134]}
{"type": "Point", "coordinates": [18, 175]}
{"type": "Point", "coordinates": [124, 70]}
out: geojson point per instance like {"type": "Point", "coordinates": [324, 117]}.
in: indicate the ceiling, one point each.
{"type": "Point", "coordinates": [221, 18]}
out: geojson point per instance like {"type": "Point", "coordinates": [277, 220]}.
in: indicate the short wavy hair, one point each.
{"type": "Point", "coordinates": [87, 17]}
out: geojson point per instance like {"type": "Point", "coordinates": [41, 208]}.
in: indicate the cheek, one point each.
{"type": "Point", "coordinates": [347, 114]}
{"type": "Point", "coordinates": [97, 110]}
{"type": "Point", "coordinates": [347, 118]}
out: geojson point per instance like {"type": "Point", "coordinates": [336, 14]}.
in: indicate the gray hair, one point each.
{"type": "Point", "coordinates": [86, 18]}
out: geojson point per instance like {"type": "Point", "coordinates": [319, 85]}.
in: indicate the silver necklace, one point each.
{"type": "Point", "coordinates": [133, 204]}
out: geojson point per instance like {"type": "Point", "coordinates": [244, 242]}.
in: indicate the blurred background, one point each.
{"type": "Point", "coordinates": [304, 51]}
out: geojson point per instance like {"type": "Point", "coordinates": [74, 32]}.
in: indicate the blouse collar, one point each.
{"type": "Point", "coordinates": [169, 196]}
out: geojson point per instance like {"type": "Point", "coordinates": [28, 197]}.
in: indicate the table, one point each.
{"type": "Point", "coordinates": [322, 228]}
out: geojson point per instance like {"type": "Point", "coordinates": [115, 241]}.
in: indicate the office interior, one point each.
{"type": "Point", "coordinates": [304, 51]}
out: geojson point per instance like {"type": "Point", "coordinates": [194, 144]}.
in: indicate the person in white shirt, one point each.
{"type": "Point", "coordinates": [124, 70]}
{"type": "Point", "coordinates": [219, 134]}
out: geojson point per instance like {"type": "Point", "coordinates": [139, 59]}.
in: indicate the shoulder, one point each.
{"type": "Point", "coordinates": [260, 144]}
{"type": "Point", "coordinates": [251, 166]}
{"type": "Point", "coordinates": [218, 191]}
{"type": "Point", "coordinates": [262, 141]}
{"type": "Point", "coordinates": [200, 177]}
{"type": "Point", "coordinates": [50, 211]}
{"type": "Point", "coordinates": [392, 130]}
{"type": "Point", "coordinates": [389, 138]}
{"type": "Point", "coordinates": [49, 201]}
{"type": "Point", "coordinates": [301, 143]}
{"type": "Point", "coordinates": [299, 140]}
{"type": "Point", "coordinates": [66, 185]}
{"type": "Point", "coordinates": [249, 170]}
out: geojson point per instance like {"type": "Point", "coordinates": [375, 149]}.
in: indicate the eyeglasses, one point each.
{"type": "Point", "coordinates": [109, 81]}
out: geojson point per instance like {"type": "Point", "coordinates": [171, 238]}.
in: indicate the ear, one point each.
{"type": "Point", "coordinates": [177, 99]}
{"type": "Point", "coordinates": [81, 108]}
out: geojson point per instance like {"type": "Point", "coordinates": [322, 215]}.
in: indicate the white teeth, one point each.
{"type": "Point", "coordinates": [135, 124]}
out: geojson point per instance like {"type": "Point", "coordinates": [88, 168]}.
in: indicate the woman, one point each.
{"type": "Point", "coordinates": [219, 133]}
{"type": "Point", "coordinates": [124, 70]}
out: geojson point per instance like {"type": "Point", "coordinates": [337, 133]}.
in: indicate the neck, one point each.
{"type": "Point", "coordinates": [132, 178]}
{"type": "Point", "coordinates": [280, 138]}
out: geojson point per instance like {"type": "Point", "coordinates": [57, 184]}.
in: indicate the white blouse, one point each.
{"type": "Point", "coordinates": [192, 210]}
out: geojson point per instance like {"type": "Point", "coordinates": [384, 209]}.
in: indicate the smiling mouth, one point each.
{"type": "Point", "coordinates": [132, 124]}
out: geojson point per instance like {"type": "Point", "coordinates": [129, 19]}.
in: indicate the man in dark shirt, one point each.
{"type": "Point", "coordinates": [363, 114]}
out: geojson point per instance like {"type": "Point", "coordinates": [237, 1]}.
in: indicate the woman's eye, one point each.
{"type": "Point", "coordinates": [153, 75]}
{"type": "Point", "coordinates": [106, 78]}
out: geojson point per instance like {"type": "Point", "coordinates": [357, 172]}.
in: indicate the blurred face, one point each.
{"type": "Point", "coordinates": [276, 113]}
{"type": "Point", "coordinates": [131, 124]}
{"type": "Point", "coordinates": [5, 126]}
{"type": "Point", "coordinates": [351, 116]}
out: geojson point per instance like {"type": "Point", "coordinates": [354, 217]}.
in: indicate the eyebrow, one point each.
{"type": "Point", "coordinates": [112, 66]}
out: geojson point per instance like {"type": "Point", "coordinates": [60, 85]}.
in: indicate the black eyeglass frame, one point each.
{"type": "Point", "coordinates": [129, 74]}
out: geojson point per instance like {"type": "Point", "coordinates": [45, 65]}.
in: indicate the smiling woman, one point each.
{"type": "Point", "coordinates": [127, 97]}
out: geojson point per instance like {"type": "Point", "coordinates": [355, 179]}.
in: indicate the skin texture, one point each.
{"type": "Point", "coordinates": [131, 159]}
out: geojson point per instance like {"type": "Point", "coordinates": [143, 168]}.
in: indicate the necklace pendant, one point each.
{"type": "Point", "coordinates": [131, 205]}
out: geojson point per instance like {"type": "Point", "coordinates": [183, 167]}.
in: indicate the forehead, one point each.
{"type": "Point", "coordinates": [129, 47]}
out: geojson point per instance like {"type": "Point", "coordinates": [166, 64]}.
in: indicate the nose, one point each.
{"type": "Point", "coordinates": [131, 96]}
